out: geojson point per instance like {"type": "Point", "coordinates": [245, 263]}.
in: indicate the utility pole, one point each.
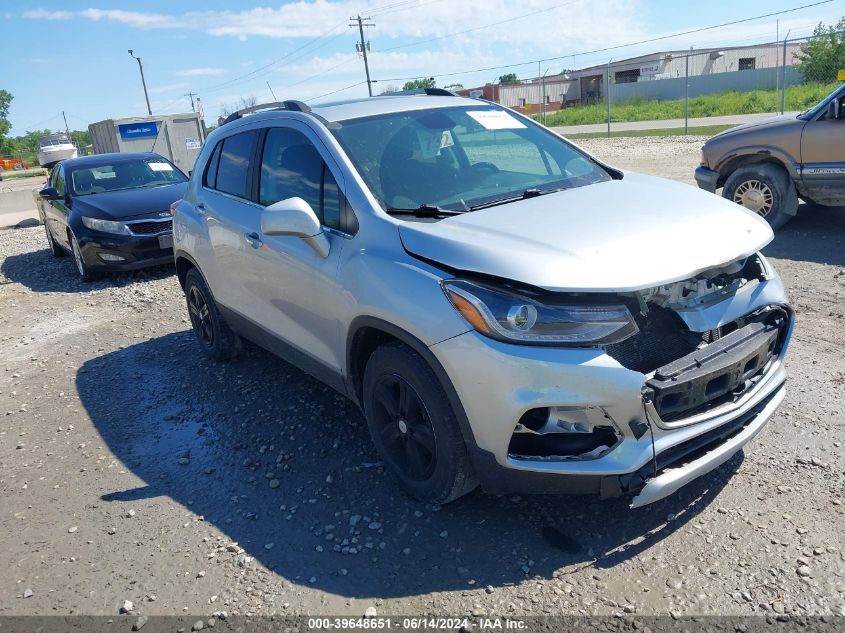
{"type": "Point", "coordinates": [192, 95]}
{"type": "Point", "coordinates": [67, 129]}
{"type": "Point", "coordinates": [607, 96]}
{"type": "Point", "coordinates": [686, 96]}
{"type": "Point", "coordinates": [363, 47]}
{"type": "Point", "coordinates": [777, 57]}
{"type": "Point", "coordinates": [783, 83]}
{"type": "Point", "coordinates": [143, 81]}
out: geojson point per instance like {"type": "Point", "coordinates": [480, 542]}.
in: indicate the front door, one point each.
{"type": "Point", "coordinates": [291, 281]}
{"type": "Point", "coordinates": [823, 157]}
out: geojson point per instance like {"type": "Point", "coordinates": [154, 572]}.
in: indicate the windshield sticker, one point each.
{"type": "Point", "coordinates": [432, 141]}
{"type": "Point", "coordinates": [160, 166]}
{"type": "Point", "coordinates": [496, 119]}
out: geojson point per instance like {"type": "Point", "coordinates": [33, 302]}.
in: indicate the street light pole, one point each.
{"type": "Point", "coordinates": [143, 81]}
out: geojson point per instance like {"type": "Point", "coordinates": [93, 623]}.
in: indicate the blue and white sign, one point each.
{"type": "Point", "coordinates": [138, 130]}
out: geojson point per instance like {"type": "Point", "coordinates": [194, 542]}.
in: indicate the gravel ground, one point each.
{"type": "Point", "coordinates": [133, 469]}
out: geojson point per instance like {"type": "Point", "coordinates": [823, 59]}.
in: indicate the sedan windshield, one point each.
{"type": "Point", "coordinates": [461, 158]}
{"type": "Point", "coordinates": [127, 174]}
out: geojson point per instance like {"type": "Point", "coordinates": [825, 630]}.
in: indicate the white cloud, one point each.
{"type": "Point", "coordinates": [201, 72]}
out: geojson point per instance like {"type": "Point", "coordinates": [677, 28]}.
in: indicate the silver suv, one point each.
{"type": "Point", "coordinates": [504, 308]}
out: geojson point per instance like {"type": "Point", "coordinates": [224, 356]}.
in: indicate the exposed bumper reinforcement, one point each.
{"type": "Point", "coordinates": [672, 479]}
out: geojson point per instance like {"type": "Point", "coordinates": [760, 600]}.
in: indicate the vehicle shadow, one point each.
{"type": "Point", "coordinates": [41, 272]}
{"type": "Point", "coordinates": [816, 234]}
{"type": "Point", "coordinates": [269, 455]}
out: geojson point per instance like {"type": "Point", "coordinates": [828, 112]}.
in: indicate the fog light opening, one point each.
{"type": "Point", "coordinates": [562, 433]}
{"type": "Point", "coordinates": [108, 257]}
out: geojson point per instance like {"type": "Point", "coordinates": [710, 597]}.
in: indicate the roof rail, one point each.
{"type": "Point", "coordinates": [293, 106]}
{"type": "Point", "coordinates": [432, 92]}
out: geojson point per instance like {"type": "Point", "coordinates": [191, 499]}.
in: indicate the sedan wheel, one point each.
{"type": "Point", "coordinates": [81, 267]}
{"type": "Point", "coordinates": [55, 249]}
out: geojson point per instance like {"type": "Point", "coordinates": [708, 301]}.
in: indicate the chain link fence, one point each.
{"type": "Point", "coordinates": [684, 89]}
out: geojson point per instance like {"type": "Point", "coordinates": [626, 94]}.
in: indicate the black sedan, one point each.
{"type": "Point", "coordinates": [112, 211]}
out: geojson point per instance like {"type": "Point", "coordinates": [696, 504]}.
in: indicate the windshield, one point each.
{"type": "Point", "coordinates": [459, 158]}
{"type": "Point", "coordinates": [58, 139]}
{"type": "Point", "coordinates": [134, 174]}
{"type": "Point", "coordinates": [822, 105]}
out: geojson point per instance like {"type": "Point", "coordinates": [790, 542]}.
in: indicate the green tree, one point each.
{"type": "Point", "coordinates": [5, 124]}
{"type": "Point", "coordinates": [509, 78]}
{"type": "Point", "coordinates": [416, 84]}
{"type": "Point", "coordinates": [823, 54]}
{"type": "Point", "coordinates": [455, 87]}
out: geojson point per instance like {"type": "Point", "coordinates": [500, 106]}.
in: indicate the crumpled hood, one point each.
{"type": "Point", "coordinates": [622, 235]}
{"type": "Point", "coordinates": [114, 205]}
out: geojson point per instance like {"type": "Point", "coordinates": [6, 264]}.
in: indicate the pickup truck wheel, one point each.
{"type": "Point", "coordinates": [413, 426]}
{"type": "Point", "coordinates": [216, 338]}
{"type": "Point", "coordinates": [764, 189]}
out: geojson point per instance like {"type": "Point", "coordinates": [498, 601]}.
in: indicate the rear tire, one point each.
{"type": "Point", "coordinates": [216, 338]}
{"type": "Point", "coordinates": [56, 250]}
{"type": "Point", "coordinates": [764, 189]}
{"type": "Point", "coordinates": [414, 427]}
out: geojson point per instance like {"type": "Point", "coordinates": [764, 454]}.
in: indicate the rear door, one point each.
{"type": "Point", "coordinates": [823, 157]}
{"type": "Point", "coordinates": [56, 211]}
{"type": "Point", "coordinates": [230, 218]}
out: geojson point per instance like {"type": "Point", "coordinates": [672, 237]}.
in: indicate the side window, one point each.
{"type": "Point", "coordinates": [59, 180]}
{"type": "Point", "coordinates": [234, 164]}
{"type": "Point", "coordinates": [292, 167]}
{"type": "Point", "coordinates": [210, 176]}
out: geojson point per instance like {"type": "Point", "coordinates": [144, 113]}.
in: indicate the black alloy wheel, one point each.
{"type": "Point", "coordinates": [404, 426]}
{"type": "Point", "coordinates": [200, 316]}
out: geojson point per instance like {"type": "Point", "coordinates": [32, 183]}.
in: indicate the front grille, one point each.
{"type": "Point", "coordinates": [150, 228]}
{"type": "Point", "coordinates": [662, 338]}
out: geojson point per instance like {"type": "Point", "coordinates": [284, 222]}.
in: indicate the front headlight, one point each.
{"type": "Point", "coordinates": [515, 318]}
{"type": "Point", "coordinates": [106, 226]}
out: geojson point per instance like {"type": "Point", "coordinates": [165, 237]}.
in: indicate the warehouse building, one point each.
{"type": "Point", "coordinates": [661, 75]}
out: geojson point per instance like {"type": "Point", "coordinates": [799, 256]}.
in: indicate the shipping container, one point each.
{"type": "Point", "coordinates": [179, 137]}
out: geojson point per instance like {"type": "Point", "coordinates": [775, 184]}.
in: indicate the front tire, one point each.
{"type": "Point", "coordinates": [85, 272]}
{"type": "Point", "coordinates": [765, 189]}
{"type": "Point", "coordinates": [216, 338]}
{"type": "Point", "coordinates": [414, 427]}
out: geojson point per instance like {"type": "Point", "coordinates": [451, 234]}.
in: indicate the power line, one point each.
{"type": "Point", "coordinates": [336, 91]}
{"type": "Point", "coordinates": [617, 47]}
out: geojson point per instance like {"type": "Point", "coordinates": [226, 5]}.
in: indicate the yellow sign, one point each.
{"type": "Point", "coordinates": [840, 76]}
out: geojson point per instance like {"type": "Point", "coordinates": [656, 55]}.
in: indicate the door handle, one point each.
{"type": "Point", "coordinates": [254, 239]}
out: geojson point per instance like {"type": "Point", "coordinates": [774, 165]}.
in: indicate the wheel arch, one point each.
{"type": "Point", "coordinates": [184, 263]}
{"type": "Point", "coordinates": [366, 334]}
{"type": "Point", "coordinates": [754, 156]}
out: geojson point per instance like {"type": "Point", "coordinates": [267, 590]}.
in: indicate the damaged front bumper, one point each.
{"type": "Point", "coordinates": [636, 451]}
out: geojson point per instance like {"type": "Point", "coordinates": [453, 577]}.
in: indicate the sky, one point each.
{"type": "Point", "coordinates": [72, 55]}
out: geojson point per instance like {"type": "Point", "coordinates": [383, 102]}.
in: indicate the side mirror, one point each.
{"type": "Point", "coordinates": [833, 110]}
{"type": "Point", "coordinates": [295, 217]}
{"type": "Point", "coordinates": [49, 193]}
